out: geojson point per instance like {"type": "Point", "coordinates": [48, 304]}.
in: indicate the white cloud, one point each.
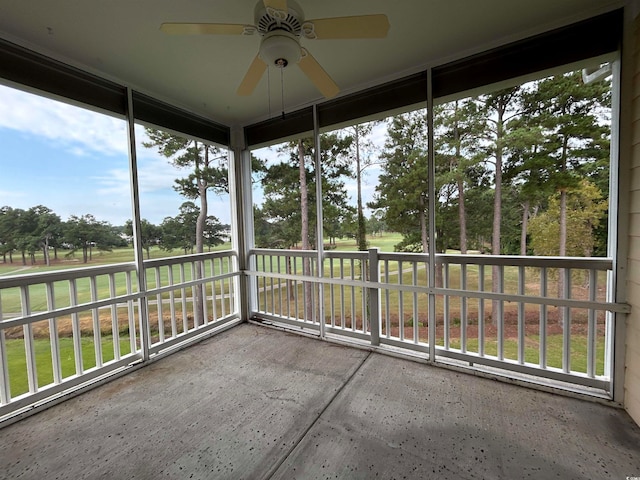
{"type": "Point", "coordinates": [75, 129]}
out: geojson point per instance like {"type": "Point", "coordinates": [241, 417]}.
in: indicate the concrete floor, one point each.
{"type": "Point", "coordinates": [256, 403]}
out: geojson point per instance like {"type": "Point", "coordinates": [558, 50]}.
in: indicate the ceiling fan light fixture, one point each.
{"type": "Point", "coordinates": [280, 48]}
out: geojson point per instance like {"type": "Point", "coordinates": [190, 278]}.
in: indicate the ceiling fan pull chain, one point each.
{"type": "Point", "coordinates": [282, 90]}
{"type": "Point", "coordinates": [269, 89]}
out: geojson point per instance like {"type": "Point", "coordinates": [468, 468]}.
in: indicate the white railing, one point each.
{"type": "Point", "coordinates": [543, 316]}
{"type": "Point", "coordinates": [63, 329]}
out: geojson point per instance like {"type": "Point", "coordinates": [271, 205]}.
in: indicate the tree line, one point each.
{"type": "Point", "coordinates": [39, 229]}
{"type": "Point", "coordinates": [523, 170]}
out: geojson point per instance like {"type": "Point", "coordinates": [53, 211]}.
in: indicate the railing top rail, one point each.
{"type": "Point", "coordinates": [587, 263]}
{"type": "Point", "coordinates": [342, 254]}
{"type": "Point", "coordinates": [62, 275]}
{"type": "Point", "coordinates": [404, 256]}
{"type": "Point", "coordinates": [159, 262]}
{"type": "Point", "coordinates": [277, 252]}
{"type": "Point", "coordinates": [591, 263]}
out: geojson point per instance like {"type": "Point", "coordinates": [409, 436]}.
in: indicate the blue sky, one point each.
{"type": "Point", "coordinates": [75, 162]}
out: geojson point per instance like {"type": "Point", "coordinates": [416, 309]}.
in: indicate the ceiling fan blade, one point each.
{"type": "Point", "coordinates": [204, 28]}
{"type": "Point", "coordinates": [317, 75]}
{"type": "Point", "coordinates": [360, 26]}
{"type": "Point", "coordinates": [276, 5]}
{"type": "Point", "coordinates": [252, 77]}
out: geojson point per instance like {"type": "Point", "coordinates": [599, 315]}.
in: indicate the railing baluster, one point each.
{"type": "Point", "coordinates": [463, 309]}
{"type": "Point", "coordinates": [5, 386]}
{"type": "Point", "coordinates": [159, 303]}
{"type": "Point", "coordinates": [332, 299]}
{"type": "Point", "coordinates": [416, 316]}
{"type": "Point", "coordinates": [183, 302]}
{"type": "Point", "coordinates": [194, 306]}
{"type": "Point", "coordinates": [230, 292]}
{"type": "Point", "coordinates": [373, 297]}
{"type": "Point", "coordinates": [264, 285]}
{"type": "Point", "coordinates": [97, 334]}
{"type": "Point", "coordinates": [543, 318]}
{"type": "Point", "coordinates": [400, 302]}
{"type": "Point", "coordinates": [592, 332]}
{"type": "Point", "coordinates": [445, 308]}
{"type": "Point", "coordinates": [115, 331]}
{"type": "Point", "coordinates": [295, 290]}
{"type": "Point", "coordinates": [223, 294]}
{"type": "Point", "coordinates": [172, 303]}
{"type": "Point", "coordinates": [32, 372]}
{"type": "Point", "coordinates": [75, 326]}
{"type": "Point", "coordinates": [353, 297]}
{"type": "Point", "coordinates": [387, 295]}
{"type": "Point", "coordinates": [273, 301]}
{"type": "Point", "coordinates": [500, 314]}
{"type": "Point", "coordinates": [566, 323]}
{"type": "Point", "coordinates": [214, 291]}
{"type": "Point", "coordinates": [342, 302]}
{"type": "Point", "coordinates": [203, 289]}
{"type": "Point", "coordinates": [280, 310]}
{"type": "Point", "coordinates": [130, 315]}
{"type": "Point", "coordinates": [481, 334]}
{"type": "Point", "coordinates": [289, 288]}
{"type": "Point", "coordinates": [53, 334]}
{"type": "Point", "coordinates": [521, 316]}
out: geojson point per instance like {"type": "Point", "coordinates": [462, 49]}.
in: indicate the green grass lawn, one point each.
{"type": "Point", "coordinates": [16, 359]}
{"type": "Point", "coordinates": [385, 242]}
{"type": "Point", "coordinates": [532, 352]}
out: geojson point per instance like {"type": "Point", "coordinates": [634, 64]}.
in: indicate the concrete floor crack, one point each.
{"type": "Point", "coordinates": [272, 471]}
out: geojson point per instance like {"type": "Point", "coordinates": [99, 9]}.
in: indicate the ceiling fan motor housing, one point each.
{"type": "Point", "coordinates": [269, 19]}
{"type": "Point", "coordinates": [280, 48]}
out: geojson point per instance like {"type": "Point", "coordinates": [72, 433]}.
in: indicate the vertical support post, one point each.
{"type": "Point", "coordinates": [319, 223]}
{"type": "Point", "coordinates": [374, 296]}
{"type": "Point", "coordinates": [242, 218]}
{"type": "Point", "coordinates": [145, 337]}
{"type": "Point", "coordinates": [619, 202]}
{"type": "Point", "coordinates": [432, 220]}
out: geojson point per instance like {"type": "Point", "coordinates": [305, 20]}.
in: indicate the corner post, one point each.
{"type": "Point", "coordinates": [143, 310]}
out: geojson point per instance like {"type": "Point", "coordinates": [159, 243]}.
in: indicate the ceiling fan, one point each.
{"type": "Point", "coordinates": [281, 24]}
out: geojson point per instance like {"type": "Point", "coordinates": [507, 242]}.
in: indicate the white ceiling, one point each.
{"type": "Point", "coordinates": [121, 40]}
